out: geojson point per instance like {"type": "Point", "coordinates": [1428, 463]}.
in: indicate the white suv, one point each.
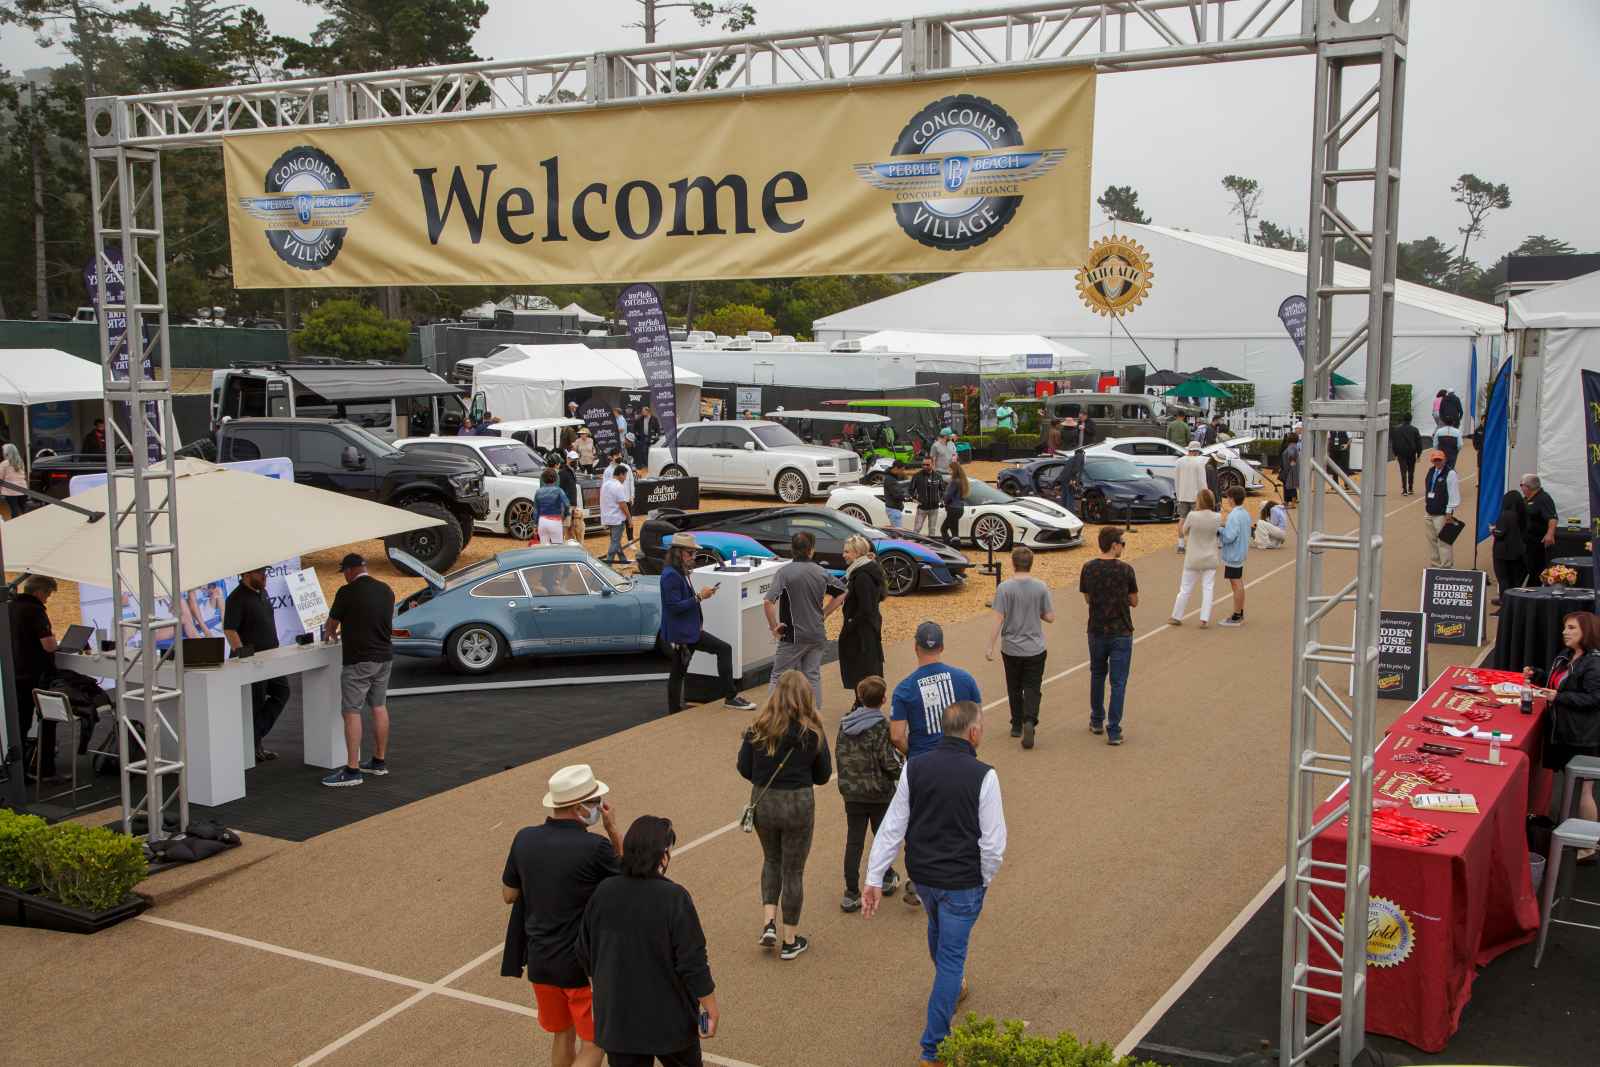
{"type": "Point", "coordinates": [756, 456]}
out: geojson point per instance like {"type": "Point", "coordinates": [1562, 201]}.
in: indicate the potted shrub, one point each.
{"type": "Point", "coordinates": [68, 877]}
{"type": "Point", "coordinates": [982, 1043]}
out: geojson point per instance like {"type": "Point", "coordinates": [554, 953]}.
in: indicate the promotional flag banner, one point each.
{"type": "Point", "coordinates": [640, 309]}
{"type": "Point", "coordinates": [117, 333]}
{"type": "Point", "coordinates": [1591, 442]}
{"type": "Point", "coordinates": [1293, 312]}
{"type": "Point", "coordinates": [1492, 460]}
{"type": "Point", "coordinates": [984, 173]}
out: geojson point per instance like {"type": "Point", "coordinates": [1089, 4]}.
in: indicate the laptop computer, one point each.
{"type": "Point", "coordinates": [76, 639]}
{"type": "Point", "coordinates": [200, 653]}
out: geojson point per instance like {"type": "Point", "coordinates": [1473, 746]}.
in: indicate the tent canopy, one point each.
{"type": "Point", "coordinates": [1162, 378]}
{"type": "Point", "coordinates": [575, 308]}
{"type": "Point", "coordinates": [1572, 304]}
{"type": "Point", "coordinates": [1196, 388]}
{"type": "Point", "coordinates": [224, 527]}
{"type": "Point", "coordinates": [1339, 381]}
{"type": "Point", "coordinates": [1214, 302]}
{"type": "Point", "coordinates": [1216, 374]}
{"type": "Point", "coordinates": [45, 375]}
{"type": "Point", "coordinates": [972, 345]}
{"type": "Point", "coordinates": [531, 381]}
{"type": "Point", "coordinates": [358, 381]}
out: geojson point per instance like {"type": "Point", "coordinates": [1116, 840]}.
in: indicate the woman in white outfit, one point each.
{"type": "Point", "coordinates": [1201, 557]}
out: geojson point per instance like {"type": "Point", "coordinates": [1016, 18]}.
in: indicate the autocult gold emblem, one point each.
{"type": "Point", "coordinates": [1115, 276]}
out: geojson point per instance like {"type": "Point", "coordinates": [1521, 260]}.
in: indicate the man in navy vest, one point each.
{"type": "Point", "coordinates": [947, 809]}
{"type": "Point", "coordinates": [1441, 497]}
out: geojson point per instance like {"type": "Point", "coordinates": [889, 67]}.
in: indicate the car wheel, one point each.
{"type": "Point", "coordinates": [475, 648]}
{"type": "Point", "coordinates": [468, 528]}
{"type": "Point", "coordinates": [672, 470]}
{"type": "Point", "coordinates": [792, 487]}
{"type": "Point", "coordinates": [872, 478]}
{"type": "Point", "coordinates": [435, 547]}
{"type": "Point", "coordinates": [706, 557]}
{"type": "Point", "coordinates": [1227, 479]}
{"type": "Point", "coordinates": [521, 522]}
{"type": "Point", "coordinates": [1010, 487]}
{"type": "Point", "coordinates": [1094, 508]}
{"type": "Point", "coordinates": [856, 512]}
{"type": "Point", "coordinates": [899, 573]}
{"type": "Point", "coordinates": [992, 532]}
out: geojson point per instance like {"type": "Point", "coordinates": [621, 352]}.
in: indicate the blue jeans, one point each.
{"type": "Point", "coordinates": [896, 518]}
{"type": "Point", "coordinates": [1108, 654]}
{"type": "Point", "coordinates": [614, 549]}
{"type": "Point", "coordinates": [952, 913]}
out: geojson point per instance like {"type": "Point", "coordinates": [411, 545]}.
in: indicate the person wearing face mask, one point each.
{"type": "Point", "coordinates": [552, 871]}
{"type": "Point", "coordinates": [641, 940]}
{"type": "Point", "coordinates": [946, 808]}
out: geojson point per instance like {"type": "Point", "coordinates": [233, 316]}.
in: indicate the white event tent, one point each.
{"type": "Point", "coordinates": [44, 376]}
{"type": "Point", "coordinates": [531, 381]}
{"type": "Point", "coordinates": [1556, 333]}
{"type": "Point", "coordinates": [979, 353]}
{"type": "Point", "coordinates": [583, 314]}
{"type": "Point", "coordinates": [1214, 302]}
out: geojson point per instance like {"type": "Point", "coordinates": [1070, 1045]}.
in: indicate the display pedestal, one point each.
{"type": "Point", "coordinates": [735, 614]}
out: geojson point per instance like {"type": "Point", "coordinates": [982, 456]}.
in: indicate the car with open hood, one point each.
{"type": "Point", "coordinates": [543, 600]}
{"type": "Point", "coordinates": [992, 519]}
{"type": "Point", "coordinates": [910, 561]}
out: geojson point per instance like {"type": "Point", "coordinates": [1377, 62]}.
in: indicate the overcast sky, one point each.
{"type": "Point", "coordinates": [1506, 96]}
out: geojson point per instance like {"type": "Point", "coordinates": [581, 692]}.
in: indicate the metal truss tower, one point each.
{"type": "Point", "coordinates": [1331, 736]}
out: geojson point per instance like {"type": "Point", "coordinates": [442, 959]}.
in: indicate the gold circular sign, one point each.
{"type": "Point", "coordinates": [1115, 276]}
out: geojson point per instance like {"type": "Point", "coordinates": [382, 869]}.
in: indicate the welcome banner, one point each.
{"type": "Point", "coordinates": [967, 174]}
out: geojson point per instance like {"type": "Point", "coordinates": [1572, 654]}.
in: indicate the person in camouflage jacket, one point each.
{"type": "Point", "coordinates": [868, 768]}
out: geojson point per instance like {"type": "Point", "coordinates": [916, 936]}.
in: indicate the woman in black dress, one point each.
{"type": "Point", "coordinates": [1573, 689]}
{"type": "Point", "coordinates": [1510, 558]}
{"type": "Point", "coordinates": [861, 638]}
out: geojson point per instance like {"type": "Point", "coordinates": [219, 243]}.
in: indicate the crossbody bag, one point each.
{"type": "Point", "coordinates": [747, 818]}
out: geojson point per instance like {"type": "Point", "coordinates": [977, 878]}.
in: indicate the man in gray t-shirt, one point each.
{"type": "Point", "coordinates": [1021, 604]}
{"type": "Point", "coordinates": [795, 603]}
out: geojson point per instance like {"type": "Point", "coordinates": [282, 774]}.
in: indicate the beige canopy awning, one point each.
{"type": "Point", "coordinates": [228, 521]}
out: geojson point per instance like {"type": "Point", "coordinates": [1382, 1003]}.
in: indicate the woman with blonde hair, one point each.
{"type": "Point", "coordinates": [784, 756]}
{"type": "Point", "coordinates": [955, 502]}
{"type": "Point", "coordinates": [13, 479]}
{"type": "Point", "coordinates": [861, 637]}
{"type": "Point", "coordinates": [1201, 557]}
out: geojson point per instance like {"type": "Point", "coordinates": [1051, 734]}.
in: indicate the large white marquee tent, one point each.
{"type": "Point", "coordinates": [1214, 303]}
{"type": "Point", "coordinates": [1557, 335]}
{"type": "Point", "coordinates": [530, 381]}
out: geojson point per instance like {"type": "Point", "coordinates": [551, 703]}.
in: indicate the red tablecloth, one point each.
{"type": "Point", "coordinates": [1441, 911]}
{"type": "Point", "coordinates": [1527, 731]}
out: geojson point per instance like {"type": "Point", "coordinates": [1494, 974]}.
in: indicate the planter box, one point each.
{"type": "Point", "coordinates": [25, 909]}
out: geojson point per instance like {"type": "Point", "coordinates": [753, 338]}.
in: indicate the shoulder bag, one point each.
{"type": "Point", "coordinates": [747, 818]}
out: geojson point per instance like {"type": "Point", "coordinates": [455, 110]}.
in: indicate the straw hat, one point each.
{"type": "Point", "coordinates": [573, 785]}
{"type": "Point", "coordinates": [684, 540]}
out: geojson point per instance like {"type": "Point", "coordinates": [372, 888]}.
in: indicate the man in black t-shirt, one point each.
{"type": "Point", "coordinates": [248, 619]}
{"type": "Point", "coordinates": [1111, 589]}
{"type": "Point", "coordinates": [33, 655]}
{"type": "Point", "coordinates": [361, 618]}
{"type": "Point", "coordinates": [550, 874]}
{"type": "Point", "coordinates": [1539, 533]}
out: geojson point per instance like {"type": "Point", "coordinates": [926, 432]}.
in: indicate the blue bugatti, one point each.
{"type": "Point", "coordinates": [544, 600]}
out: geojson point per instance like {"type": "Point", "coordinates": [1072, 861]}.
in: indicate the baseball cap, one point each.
{"type": "Point", "coordinates": [930, 636]}
{"type": "Point", "coordinates": [352, 559]}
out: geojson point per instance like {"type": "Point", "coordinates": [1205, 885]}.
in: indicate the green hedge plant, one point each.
{"type": "Point", "coordinates": [16, 831]}
{"type": "Point", "coordinates": [87, 867]}
{"type": "Point", "coordinates": [984, 1043]}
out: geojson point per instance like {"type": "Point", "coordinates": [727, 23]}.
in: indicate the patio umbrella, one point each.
{"type": "Point", "coordinates": [1196, 388]}
{"type": "Point", "coordinates": [1165, 379]}
{"type": "Point", "coordinates": [228, 522]}
{"type": "Point", "coordinates": [1215, 374]}
{"type": "Point", "coordinates": [1338, 380]}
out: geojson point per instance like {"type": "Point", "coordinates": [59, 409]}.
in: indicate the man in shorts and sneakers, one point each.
{"type": "Point", "coordinates": [360, 619]}
{"type": "Point", "coordinates": [552, 871]}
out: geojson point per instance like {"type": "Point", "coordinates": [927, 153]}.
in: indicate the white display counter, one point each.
{"type": "Point", "coordinates": [217, 711]}
{"type": "Point", "coordinates": [736, 615]}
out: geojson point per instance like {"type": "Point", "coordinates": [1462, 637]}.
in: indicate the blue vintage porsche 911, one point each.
{"type": "Point", "coordinates": [544, 600]}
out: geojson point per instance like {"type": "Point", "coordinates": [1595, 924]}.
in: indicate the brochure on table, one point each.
{"type": "Point", "coordinates": [200, 613]}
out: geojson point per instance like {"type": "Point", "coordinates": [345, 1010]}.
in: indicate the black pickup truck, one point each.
{"type": "Point", "coordinates": [52, 472]}
{"type": "Point", "coordinates": [344, 458]}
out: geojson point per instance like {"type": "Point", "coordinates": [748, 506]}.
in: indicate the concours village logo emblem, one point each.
{"type": "Point", "coordinates": [308, 207]}
{"type": "Point", "coordinates": [957, 172]}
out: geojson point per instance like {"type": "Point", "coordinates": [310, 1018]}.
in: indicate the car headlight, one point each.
{"type": "Point", "coordinates": [467, 482]}
{"type": "Point", "coordinates": [824, 462]}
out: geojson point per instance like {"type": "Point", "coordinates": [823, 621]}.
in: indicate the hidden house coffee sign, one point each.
{"type": "Point", "coordinates": [1402, 655]}
{"type": "Point", "coordinates": [1453, 602]}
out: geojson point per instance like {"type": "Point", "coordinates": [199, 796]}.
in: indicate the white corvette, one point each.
{"type": "Point", "coordinates": [1160, 456]}
{"type": "Point", "coordinates": [991, 518]}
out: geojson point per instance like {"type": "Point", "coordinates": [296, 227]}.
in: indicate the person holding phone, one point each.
{"type": "Point", "coordinates": [683, 630]}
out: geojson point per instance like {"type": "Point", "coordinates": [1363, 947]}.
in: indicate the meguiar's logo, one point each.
{"type": "Point", "coordinates": [957, 171]}
{"type": "Point", "coordinates": [307, 208]}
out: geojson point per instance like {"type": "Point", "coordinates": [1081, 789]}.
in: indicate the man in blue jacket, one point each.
{"type": "Point", "coordinates": [682, 627]}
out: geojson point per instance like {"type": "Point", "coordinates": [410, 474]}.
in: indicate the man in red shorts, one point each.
{"type": "Point", "coordinates": [550, 874]}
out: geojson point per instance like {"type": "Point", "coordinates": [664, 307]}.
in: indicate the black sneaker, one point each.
{"type": "Point", "coordinates": [344, 776]}
{"type": "Point", "coordinates": [1233, 620]}
{"type": "Point", "coordinates": [1114, 740]}
{"type": "Point", "coordinates": [1016, 731]}
{"type": "Point", "coordinates": [1093, 729]}
{"type": "Point", "coordinates": [911, 897]}
{"type": "Point", "coordinates": [769, 935]}
{"type": "Point", "coordinates": [850, 902]}
{"type": "Point", "coordinates": [1027, 735]}
{"type": "Point", "coordinates": [891, 882]}
{"type": "Point", "coordinates": [738, 703]}
{"type": "Point", "coordinates": [375, 766]}
{"type": "Point", "coordinates": [791, 949]}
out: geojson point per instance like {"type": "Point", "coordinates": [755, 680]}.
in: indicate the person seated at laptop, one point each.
{"type": "Point", "coordinates": [247, 619]}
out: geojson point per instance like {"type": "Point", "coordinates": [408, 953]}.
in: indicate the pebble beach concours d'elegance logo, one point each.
{"type": "Point", "coordinates": [307, 208]}
{"type": "Point", "coordinates": [967, 185]}
{"type": "Point", "coordinates": [1115, 276]}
